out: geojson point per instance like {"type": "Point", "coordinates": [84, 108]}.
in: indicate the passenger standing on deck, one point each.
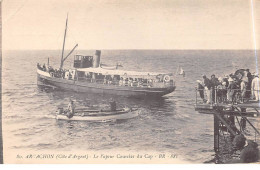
{"type": "Point", "coordinates": [38, 66]}
{"type": "Point", "coordinates": [207, 85]}
{"type": "Point", "coordinates": [105, 80]}
{"type": "Point", "coordinates": [121, 81]}
{"type": "Point", "coordinates": [255, 87]}
{"type": "Point", "coordinates": [71, 109]}
{"type": "Point", "coordinates": [44, 67]}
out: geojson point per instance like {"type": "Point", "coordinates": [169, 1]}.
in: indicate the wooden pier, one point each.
{"type": "Point", "coordinates": [231, 118]}
{"type": "Point", "coordinates": [226, 109]}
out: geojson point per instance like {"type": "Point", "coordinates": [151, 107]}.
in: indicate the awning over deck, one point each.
{"type": "Point", "coordinates": [120, 72]}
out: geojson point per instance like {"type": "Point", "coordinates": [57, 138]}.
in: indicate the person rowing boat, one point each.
{"type": "Point", "coordinates": [112, 103]}
{"type": "Point", "coordinates": [71, 109]}
{"type": "Point", "coordinates": [111, 113]}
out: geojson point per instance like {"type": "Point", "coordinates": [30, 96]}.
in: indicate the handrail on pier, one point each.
{"type": "Point", "coordinates": [235, 98]}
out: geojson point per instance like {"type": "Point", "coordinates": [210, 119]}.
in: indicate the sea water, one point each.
{"type": "Point", "coordinates": [166, 124]}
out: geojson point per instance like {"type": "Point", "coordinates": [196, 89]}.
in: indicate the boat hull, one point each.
{"type": "Point", "coordinates": [101, 117]}
{"type": "Point", "coordinates": [88, 87]}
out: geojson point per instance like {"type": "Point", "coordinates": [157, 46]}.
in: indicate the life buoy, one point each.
{"type": "Point", "coordinates": [166, 78]}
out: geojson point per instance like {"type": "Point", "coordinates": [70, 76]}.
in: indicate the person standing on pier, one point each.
{"type": "Point", "coordinates": [201, 90]}
{"type": "Point", "coordinates": [248, 88]}
{"type": "Point", "coordinates": [207, 85]}
{"type": "Point", "coordinates": [215, 83]}
{"type": "Point", "coordinates": [243, 87]}
{"type": "Point", "coordinates": [221, 90]}
{"type": "Point", "coordinates": [255, 87]}
{"type": "Point", "coordinates": [231, 90]}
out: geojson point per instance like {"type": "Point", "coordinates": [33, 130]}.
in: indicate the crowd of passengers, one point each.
{"type": "Point", "coordinates": [106, 79]}
{"type": "Point", "coordinates": [239, 87]}
{"type": "Point", "coordinates": [125, 81]}
{"type": "Point", "coordinates": [59, 73]}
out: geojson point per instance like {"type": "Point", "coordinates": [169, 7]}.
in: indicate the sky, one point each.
{"type": "Point", "coordinates": [130, 24]}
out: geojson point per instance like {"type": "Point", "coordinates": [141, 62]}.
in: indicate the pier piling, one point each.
{"type": "Point", "coordinates": [216, 134]}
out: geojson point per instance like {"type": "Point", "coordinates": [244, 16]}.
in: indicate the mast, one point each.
{"type": "Point", "coordinates": [61, 63]}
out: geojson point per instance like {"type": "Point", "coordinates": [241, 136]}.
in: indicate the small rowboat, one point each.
{"type": "Point", "coordinates": [99, 115]}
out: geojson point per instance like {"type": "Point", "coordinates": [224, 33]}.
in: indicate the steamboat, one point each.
{"type": "Point", "coordinates": [88, 75]}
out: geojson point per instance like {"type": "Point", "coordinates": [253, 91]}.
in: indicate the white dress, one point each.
{"type": "Point", "coordinates": [255, 88]}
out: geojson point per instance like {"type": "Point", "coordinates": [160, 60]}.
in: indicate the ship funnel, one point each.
{"type": "Point", "coordinates": [96, 59]}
